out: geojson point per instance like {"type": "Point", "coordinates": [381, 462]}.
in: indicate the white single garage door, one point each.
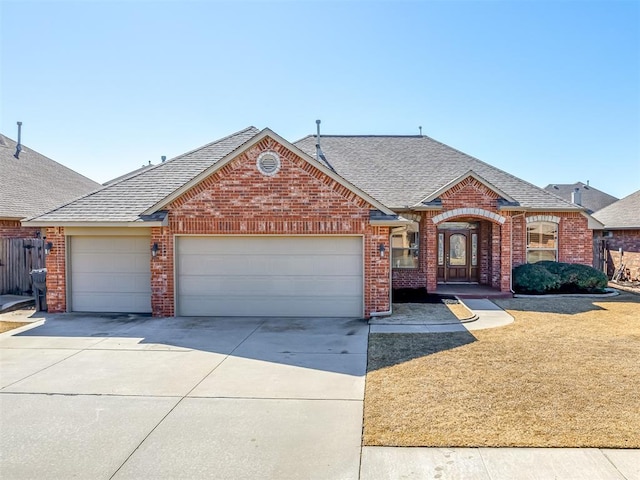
{"type": "Point", "coordinates": [110, 274]}
{"type": "Point", "coordinates": [269, 276]}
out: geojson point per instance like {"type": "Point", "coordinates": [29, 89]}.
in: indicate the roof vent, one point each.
{"type": "Point", "coordinates": [268, 163]}
{"type": "Point", "coordinates": [19, 145]}
{"type": "Point", "coordinates": [576, 196]}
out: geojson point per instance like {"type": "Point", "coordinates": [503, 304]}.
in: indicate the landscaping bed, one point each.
{"type": "Point", "coordinates": [565, 374]}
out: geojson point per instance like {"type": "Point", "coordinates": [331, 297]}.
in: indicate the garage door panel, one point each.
{"type": "Point", "coordinates": [104, 302]}
{"type": "Point", "coordinates": [268, 245]}
{"type": "Point", "coordinates": [271, 285]}
{"type": "Point", "coordinates": [110, 274]}
{"type": "Point", "coordinates": [111, 283]}
{"type": "Point", "coordinates": [265, 265]}
{"type": "Point", "coordinates": [269, 276]}
{"type": "Point", "coordinates": [114, 262]}
{"type": "Point", "coordinates": [242, 306]}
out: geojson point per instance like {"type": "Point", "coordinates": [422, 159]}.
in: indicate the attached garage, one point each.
{"type": "Point", "coordinates": [315, 276]}
{"type": "Point", "coordinates": [110, 274]}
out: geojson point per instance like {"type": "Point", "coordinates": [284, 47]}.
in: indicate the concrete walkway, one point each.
{"type": "Point", "coordinates": [499, 463]}
{"type": "Point", "coordinates": [484, 314]}
{"type": "Point", "coordinates": [12, 302]}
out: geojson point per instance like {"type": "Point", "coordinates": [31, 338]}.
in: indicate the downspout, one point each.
{"type": "Point", "coordinates": [390, 311]}
{"type": "Point", "coordinates": [511, 253]}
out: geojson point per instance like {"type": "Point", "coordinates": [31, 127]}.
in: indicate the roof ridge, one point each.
{"type": "Point", "coordinates": [134, 174]}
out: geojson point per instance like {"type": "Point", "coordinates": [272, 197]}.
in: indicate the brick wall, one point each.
{"type": "Point", "coordinates": [14, 229]}
{"type": "Point", "coordinates": [56, 273]}
{"type": "Point", "coordinates": [629, 241]}
{"type": "Point", "coordinates": [298, 200]}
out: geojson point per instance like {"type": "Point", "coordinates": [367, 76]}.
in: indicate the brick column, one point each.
{"type": "Point", "coordinates": [56, 271]}
{"type": "Point", "coordinates": [162, 288]}
{"type": "Point", "coordinates": [496, 244]}
{"type": "Point", "coordinates": [505, 255]}
{"type": "Point", "coordinates": [431, 247]}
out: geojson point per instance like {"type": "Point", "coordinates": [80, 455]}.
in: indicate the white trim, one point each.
{"type": "Point", "coordinates": [543, 218]}
{"type": "Point", "coordinates": [248, 145]}
{"type": "Point", "coordinates": [469, 211]}
{"type": "Point", "coordinates": [134, 224]}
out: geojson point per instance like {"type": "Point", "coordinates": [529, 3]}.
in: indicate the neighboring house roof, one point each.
{"type": "Point", "coordinates": [623, 214]}
{"type": "Point", "coordinates": [33, 183]}
{"type": "Point", "coordinates": [403, 171]}
{"type": "Point", "coordinates": [591, 198]}
{"type": "Point", "coordinates": [126, 200]}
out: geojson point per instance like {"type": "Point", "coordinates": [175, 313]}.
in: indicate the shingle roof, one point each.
{"type": "Point", "coordinates": [591, 198]}
{"type": "Point", "coordinates": [33, 183]}
{"type": "Point", "coordinates": [127, 199]}
{"type": "Point", "coordinates": [622, 214]}
{"type": "Point", "coordinates": [401, 171]}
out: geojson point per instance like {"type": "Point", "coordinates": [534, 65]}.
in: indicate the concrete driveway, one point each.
{"type": "Point", "coordinates": [129, 397]}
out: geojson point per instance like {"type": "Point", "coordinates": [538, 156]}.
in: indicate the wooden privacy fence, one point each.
{"type": "Point", "coordinates": [18, 256]}
{"type": "Point", "coordinates": [600, 254]}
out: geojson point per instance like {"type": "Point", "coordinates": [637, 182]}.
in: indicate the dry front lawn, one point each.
{"type": "Point", "coordinates": [565, 374]}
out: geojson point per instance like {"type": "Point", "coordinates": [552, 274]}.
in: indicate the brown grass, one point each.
{"type": "Point", "coordinates": [565, 374]}
{"type": "Point", "coordinates": [6, 326]}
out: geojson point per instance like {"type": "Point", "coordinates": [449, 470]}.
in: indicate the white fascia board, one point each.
{"type": "Point", "coordinates": [249, 144]}
{"type": "Point", "coordinates": [592, 223]}
{"type": "Point", "coordinates": [36, 223]}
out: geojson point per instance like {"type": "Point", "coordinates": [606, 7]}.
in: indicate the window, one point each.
{"type": "Point", "coordinates": [404, 249]}
{"type": "Point", "coordinates": [542, 241]}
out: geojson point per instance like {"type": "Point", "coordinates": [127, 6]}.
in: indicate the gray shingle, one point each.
{"type": "Point", "coordinates": [127, 199]}
{"type": "Point", "coordinates": [401, 171]}
{"type": "Point", "coordinates": [624, 213]}
{"type": "Point", "coordinates": [33, 183]}
{"type": "Point", "coordinates": [591, 198]}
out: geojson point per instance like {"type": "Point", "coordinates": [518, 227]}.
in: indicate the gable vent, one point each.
{"type": "Point", "coordinates": [268, 163]}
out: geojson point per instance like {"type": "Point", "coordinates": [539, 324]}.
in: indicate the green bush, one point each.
{"type": "Point", "coordinates": [557, 277]}
{"type": "Point", "coordinates": [534, 279]}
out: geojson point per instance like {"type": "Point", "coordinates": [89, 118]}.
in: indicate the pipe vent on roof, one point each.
{"type": "Point", "coordinates": [576, 196]}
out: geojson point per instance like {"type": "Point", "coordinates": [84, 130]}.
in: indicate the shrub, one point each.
{"type": "Point", "coordinates": [558, 277]}
{"type": "Point", "coordinates": [535, 279]}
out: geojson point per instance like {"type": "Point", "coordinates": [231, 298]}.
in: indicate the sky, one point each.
{"type": "Point", "coordinates": [546, 90]}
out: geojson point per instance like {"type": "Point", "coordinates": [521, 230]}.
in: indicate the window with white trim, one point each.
{"type": "Point", "coordinates": [542, 241]}
{"type": "Point", "coordinates": [405, 248]}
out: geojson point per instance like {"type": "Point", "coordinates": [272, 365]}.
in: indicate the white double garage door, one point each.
{"type": "Point", "coordinates": [315, 276]}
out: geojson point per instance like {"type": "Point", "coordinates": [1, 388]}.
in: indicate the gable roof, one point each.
{"type": "Point", "coordinates": [139, 197]}
{"type": "Point", "coordinates": [591, 198]}
{"type": "Point", "coordinates": [623, 214]}
{"type": "Point", "coordinates": [126, 200]}
{"type": "Point", "coordinates": [33, 183]}
{"type": "Point", "coordinates": [402, 171]}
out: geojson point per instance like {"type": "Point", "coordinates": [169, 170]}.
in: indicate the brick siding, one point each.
{"type": "Point", "coordinates": [629, 241]}
{"type": "Point", "coordinates": [299, 200]}
{"type": "Point", "coordinates": [56, 271]}
{"type": "Point", "coordinates": [14, 229]}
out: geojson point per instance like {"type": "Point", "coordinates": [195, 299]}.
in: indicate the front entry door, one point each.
{"type": "Point", "coordinates": [457, 256]}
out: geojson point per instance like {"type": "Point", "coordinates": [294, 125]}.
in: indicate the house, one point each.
{"type": "Point", "coordinates": [582, 194]}
{"type": "Point", "coordinates": [31, 184]}
{"type": "Point", "coordinates": [621, 231]}
{"type": "Point", "coordinates": [255, 225]}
